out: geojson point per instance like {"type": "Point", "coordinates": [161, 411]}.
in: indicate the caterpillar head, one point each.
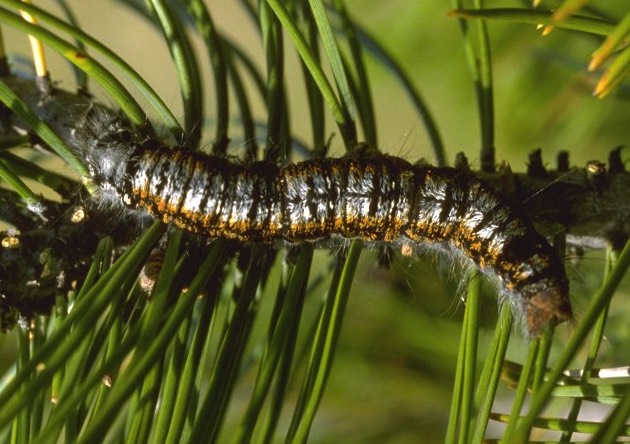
{"type": "Point", "coordinates": [546, 302]}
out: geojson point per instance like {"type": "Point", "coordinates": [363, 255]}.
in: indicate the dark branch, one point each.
{"type": "Point", "coordinates": [590, 204]}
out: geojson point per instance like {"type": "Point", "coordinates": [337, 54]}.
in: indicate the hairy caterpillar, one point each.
{"type": "Point", "coordinates": [376, 198]}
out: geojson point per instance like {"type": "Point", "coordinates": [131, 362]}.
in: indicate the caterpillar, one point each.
{"type": "Point", "coordinates": [377, 198]}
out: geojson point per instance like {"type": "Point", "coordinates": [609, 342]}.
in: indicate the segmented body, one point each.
{"type": "Point", "coordinates": [376, 198]}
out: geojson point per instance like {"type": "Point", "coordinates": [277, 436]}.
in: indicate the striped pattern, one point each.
{"type": "Point", "coordinates": [376, 198]}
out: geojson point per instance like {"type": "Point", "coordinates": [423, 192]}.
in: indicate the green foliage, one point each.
{"type": "Point", "coordinates": [242, 348]}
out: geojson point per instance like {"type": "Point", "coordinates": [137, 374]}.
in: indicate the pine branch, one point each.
{"type": "Point", "coordinates": [589, 204]}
